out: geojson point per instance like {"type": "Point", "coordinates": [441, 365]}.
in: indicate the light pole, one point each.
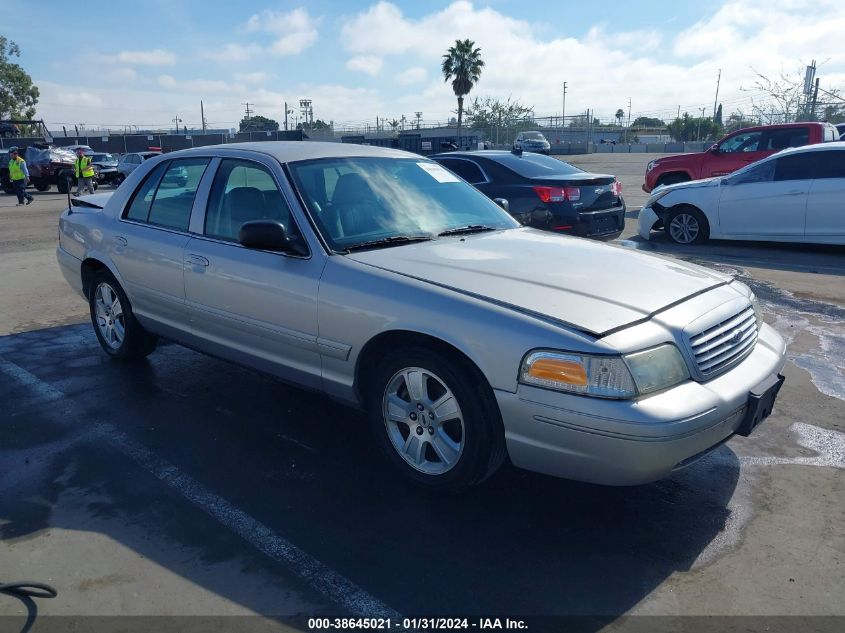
{"type": "Point", "coordinates": [698, 133]}
{"type": "Point", "coordinates": [563, 108]}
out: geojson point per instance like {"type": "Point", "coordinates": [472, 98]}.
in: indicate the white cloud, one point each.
{"type": "Point", "coordinates": [295, 30]}
{"type": "Point", "coordinates": [257, 77]}
{"type": "Point", "coordinates": [155, 57]}
{"type": "Point", "coordinates": [368, 64]}
{"type": "Point", "coordinates": [199, 86]}
{"type": "Point", "coordinates": [413, 75]}
{"type": "Point", "coordinates": [232, 53]}
{"type": "Point", "coordinates": [79, 99]}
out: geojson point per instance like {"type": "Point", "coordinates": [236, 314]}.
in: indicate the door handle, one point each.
{"type": "Point", "coordinates": [120, 243]}
{"type": "Point", "coordinates": [196, 260]}
{"type": "Point", "coordinates": [794, 193]}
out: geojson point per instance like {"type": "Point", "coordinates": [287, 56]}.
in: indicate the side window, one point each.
{"type": "Point", "coordinates": [467, 170]}
{"type": "Point", "coordinates": [831, 164]}
{"type": "Point", "coordinates": [176, 191]}
{"type": "Point", "coordinates": [746, 142]}
{"type": "Point", "coordinates": [139, 208]}
{"type": "Point", "coordinates": [803, 166]}
{"type": "Point", "coordinates": [761, 172]}
{"type": "Point", "coordinates": [789, 137]}
{"type": "Point", "coordinates": [243, 191]}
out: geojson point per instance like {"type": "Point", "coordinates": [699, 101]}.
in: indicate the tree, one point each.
{"type": "Point", "coordinates": [18, 95]}
{"type": "Point", "coordinates": [688, 128]}
{"type": "Point", "coordinates": [737, 121]}
{"type": "Point", "coordinates": [718, 117]}
{"type": "Point", "coordinates": [647, 121]}
{"type": "Point", "coordinates": [462, 64]}
{"type": "Point", "coordinates": [258, 123]}
{"type": "Point", "coordinates": [784, 99]}
{"type": "Point", "coordinates": [319, 124]}
{"type": "Point", "coordinates": [489, 112]}
{"type": "Point", "coordinates": [620, 114]}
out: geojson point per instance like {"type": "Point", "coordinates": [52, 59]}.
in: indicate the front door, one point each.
{"type": "Point", "coordinates": [733, 153]}
{"type": "Point", "coordinates": [250, 306]}
{"type": "Point", "coordinates": [826, 200]}
{"type": "Point", "coordinates": [769, 200]}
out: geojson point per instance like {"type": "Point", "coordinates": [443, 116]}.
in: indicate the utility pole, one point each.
{"type": "Point", "coordinates": [679, 112]}
{"type": "Point", "coordinates": [716, 100]}
{"type": "Point", "coordinates": [287, 112]}
{"type": "Point", "coordinates": [177, 121]}
{"type": "Point", "coordinates": [202, 116]}
{"type": "Point", "coordinates": [248, 111]}
{"type": "Point", "coordinates": [698, 133]}
{"type": "Point", "coordinates": [419, 116]}
{"type": "Point", "coordinates": [628, 126]}
{"type": "Point", "coordinates": [815, 101]}
{"type": "Point", "coordinates": [563, 108]}
{"type": "Point", "coordinates": [307, 111]}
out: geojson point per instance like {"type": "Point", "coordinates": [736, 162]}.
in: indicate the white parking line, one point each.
{"type": "Point", "coordinates": [318, 576]}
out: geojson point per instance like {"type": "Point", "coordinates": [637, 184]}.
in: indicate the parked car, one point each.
{"type": "Point", "coordinates": [129, 162]}
{"type": "Point", "coordinates": [735, 151]}
{"type": "Point", "coordinates": [544, 192]}
{"type": "Point", "coordinates": [532, 142]}
{"type": "Point", "coordinates": [797, 195]}
{"type": "Point", "coordinates": [48, 165]}
{"type": "Point", "coordinates": [9, 130]}
{"type": "Point", "coordinates": [383, 280]}
{"type": "Point", "coordinates": [106, 166]}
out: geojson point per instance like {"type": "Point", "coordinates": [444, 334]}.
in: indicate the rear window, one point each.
{"type": "Point", "coordinates": [532, 165]}
{"type": "Point", "coordinates": [789, 137]}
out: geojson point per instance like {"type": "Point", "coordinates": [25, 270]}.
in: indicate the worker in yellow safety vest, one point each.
{"type": "Point", "coordinates": [84, 172]}
{"type": "Point", "coordinates": [19, 175]}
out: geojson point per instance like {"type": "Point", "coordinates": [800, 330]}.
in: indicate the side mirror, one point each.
{"type": "Point", "coordinates": [502, 202]}
{"type": "Point", "coordinates": [714, 148]}
{"type": "Point", "coordinates": [268, 235]}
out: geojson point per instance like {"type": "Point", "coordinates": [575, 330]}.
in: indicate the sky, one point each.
{"type": "Point", "coordinates": [146, 63]}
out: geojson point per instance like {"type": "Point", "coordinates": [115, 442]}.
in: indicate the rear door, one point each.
{"type": "Point", "coordinates": [826, 199]}
{"type": "Point", "coordinates": [148, 241]}
{"type": "Point", "coordinates": [769, 200]}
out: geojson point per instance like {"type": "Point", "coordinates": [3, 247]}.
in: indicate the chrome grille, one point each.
{"type": "Point", "coordinates": [725, 344]}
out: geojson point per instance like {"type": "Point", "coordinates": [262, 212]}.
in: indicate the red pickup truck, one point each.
{"type": "Point", "coordinates": [735, 151]}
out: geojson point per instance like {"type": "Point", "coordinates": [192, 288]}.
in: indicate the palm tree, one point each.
{"type": "Point", "coordinates": [462, 64]}
{"type": "Point", "coordinates": [620, 114]}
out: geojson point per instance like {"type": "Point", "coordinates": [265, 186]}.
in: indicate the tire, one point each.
{"type": "Point", "coordinates": [686, 225]}
{"type": "Point", "coordinates": [62, 185]}
{"type": "Point", "coordinates": [451, 451]}
{"type": "Point", "coordinates": [119, 179]}
{"type": "Point", "coordinates": [118, 331]}
{"type": "Point", "coordinates": [42, 187]}
{"type": "Point", "coordinates": [671, 179]}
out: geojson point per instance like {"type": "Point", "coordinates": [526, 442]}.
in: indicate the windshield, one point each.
{"type": "Point", "coordinates": [536, 165]}
{"type": "Point", "coordinates": [533, 136]}
{"type": "Point", "coordinates": [103, 158]}
{"type": "Point", "coordinates": [357, 200]}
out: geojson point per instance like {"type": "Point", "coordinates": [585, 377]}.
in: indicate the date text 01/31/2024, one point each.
{"type": "Point", "coordinates": [417, 623]}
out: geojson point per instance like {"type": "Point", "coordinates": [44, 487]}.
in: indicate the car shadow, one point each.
{"type": "Point", "coordinates": [305, 467]}
{"type": "Point", "coordinates": [817, 258]}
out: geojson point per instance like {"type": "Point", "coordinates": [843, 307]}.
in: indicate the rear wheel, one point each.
{"type": "Point", "coordinates": [687, 225]}
{"type": "Point", "coordinates": [43, 187]}
{"type": "Point", "coordinates": [118, 331]}
{"type": "Point", "coordinates": [435, 419]}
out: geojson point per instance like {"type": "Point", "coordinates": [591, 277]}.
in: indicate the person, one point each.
{"type": "Point", "coordinates": [84, 172]}
{"type": "Point", "coordinates": [19, 175]}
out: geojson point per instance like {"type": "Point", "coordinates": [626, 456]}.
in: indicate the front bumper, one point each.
{"type": "Point", "coordinates": [630, 442]}
{"type": "Point", "coordinates": [646, 219]}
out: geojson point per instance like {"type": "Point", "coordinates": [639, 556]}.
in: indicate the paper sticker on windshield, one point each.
{"type": "Point", "coordinates": [438, 172]}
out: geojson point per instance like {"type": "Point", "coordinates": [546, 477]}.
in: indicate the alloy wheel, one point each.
{"type": "Point", "coordinates": [423, 420]}
{"type": "Point", "coordinates": [684, 228]}
{"type": "Point", "coordinates": [109, 314]}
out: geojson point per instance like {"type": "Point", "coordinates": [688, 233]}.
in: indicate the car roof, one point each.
{"type": "Point", "coordinates": [816, 147]}
{"type": "Point", "coordinates": [779, 126]}
{"type": "Point", "coordinates": [289, 151]}
{"type": "Point", "coordinates": [483, 153]}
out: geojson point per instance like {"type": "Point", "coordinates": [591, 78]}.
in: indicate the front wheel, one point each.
{"type": "Point", "coordinates": [118, 331]}
{"type": "Point", "coordinates": [687, 225]}
{"type": "Point", "coordinates": [435, 419]}
{"type": "Point", "coordinates": [43, 187]}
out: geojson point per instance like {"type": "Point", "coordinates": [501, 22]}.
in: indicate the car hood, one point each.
{"type": "Point", "coordinates": [690, 184]}
{"type": "Point", "coordinates": [593, 287]}
{"type": "Point", "coordinates": [680, 159]}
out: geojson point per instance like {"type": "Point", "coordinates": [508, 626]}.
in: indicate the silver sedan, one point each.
{"type": "Point", "coordinates": [384, 281]}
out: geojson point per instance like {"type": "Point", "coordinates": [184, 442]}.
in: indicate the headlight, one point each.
{"type": "Point", "coordinates": [651, 165]}
{"type": "Point", "coordinates": [617, 377]}
{"type": "Point", "coordinates": [758, 314]}
{"type": "Point", "coordinates": [600, 376]}
{"type": "Point", "coordinates": [657, 368]}
{"type": "Point", "coordinates": [654, 198]}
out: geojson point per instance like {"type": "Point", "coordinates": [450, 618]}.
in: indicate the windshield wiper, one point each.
{"type": "Point", "coordinates": [469, 228]}
{"type": "Point", "coordinates": [384, 242]}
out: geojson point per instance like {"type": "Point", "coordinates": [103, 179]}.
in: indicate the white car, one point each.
{"type": "Point", "coordinates": [797, 195]}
